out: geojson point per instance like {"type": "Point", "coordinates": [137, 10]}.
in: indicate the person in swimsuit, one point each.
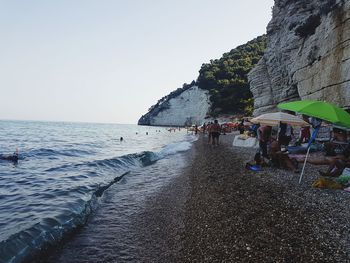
{"type": "Point", "coordinates": [13, 157]}
{"type": "Point", "coordinates": [215, 132]}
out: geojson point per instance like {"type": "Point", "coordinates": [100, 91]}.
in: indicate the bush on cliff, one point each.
{"type": "Point", "coordinates": [226, 78]}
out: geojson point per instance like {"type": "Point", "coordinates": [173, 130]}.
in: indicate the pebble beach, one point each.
{"type": "Point", "coordinates": [217, 211]}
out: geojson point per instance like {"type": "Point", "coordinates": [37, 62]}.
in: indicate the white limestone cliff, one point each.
{"type": "Point", "coordinates": [189, 107]}
{"type": "Point", "coordinates": [307, 56]}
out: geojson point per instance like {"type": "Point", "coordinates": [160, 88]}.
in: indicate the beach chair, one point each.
{"type": "Point", "coordinates": [341, 141]}
{"type": "Point", "coordinates": [324, 134]}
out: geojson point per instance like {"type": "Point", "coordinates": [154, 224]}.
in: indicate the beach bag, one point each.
{"type": "Point", "coordinates": [343, 180]}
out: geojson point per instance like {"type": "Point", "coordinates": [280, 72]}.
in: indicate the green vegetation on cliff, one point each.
{"type": "Point", "coordinates": [226, 78]}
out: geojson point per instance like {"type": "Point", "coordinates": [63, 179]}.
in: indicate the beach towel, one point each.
{"type": "Point", "coordinates": [326, 183]}
{"type": "Point", "coordinates": [253, 167]}
{"type": "Point", "coordinates": [347, 189]}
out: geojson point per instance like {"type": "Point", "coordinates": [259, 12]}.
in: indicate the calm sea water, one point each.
{"type": "Point", "coordinates": [62, 170]}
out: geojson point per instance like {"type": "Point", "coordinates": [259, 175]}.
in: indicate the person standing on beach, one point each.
{"type": "Point", "coordinates": [264, 135]}
{"type": "Point", "coordinates": [241, 127]}
{"type": "Point", "coordinates": [196, 129]}
{"type": "Point", "coordinates": [215, 132]}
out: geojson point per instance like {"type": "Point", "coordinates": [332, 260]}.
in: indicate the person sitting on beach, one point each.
{"type": "Point", "coordinates": [285, 134]}
{"type": "Point", "coordinates": [336, 167]}
{"type": "Point", "coordinates": [339, 137]}
{"type": "Point", "coordinates": [253, 131]}
{"type": "Point", "coordinates": [336, 164]}
{"type": "Point", "coordinates": [215, 132]}
{"type": "Point", "coordinates": [281, 159]}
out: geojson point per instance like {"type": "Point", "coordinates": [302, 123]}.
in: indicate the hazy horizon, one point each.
{"type": "Point", "coordinates": [108, 62]}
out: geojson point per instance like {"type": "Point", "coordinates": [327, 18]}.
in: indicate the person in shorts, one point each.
{"type": "Point", "coordinates": [215, 132]}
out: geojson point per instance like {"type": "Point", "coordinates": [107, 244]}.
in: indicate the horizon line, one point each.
{"type": "Point", "coordinates": [65, 121]}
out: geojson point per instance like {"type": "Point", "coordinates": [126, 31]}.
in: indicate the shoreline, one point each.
{"type": "Point", "coordinates": [214, 210]}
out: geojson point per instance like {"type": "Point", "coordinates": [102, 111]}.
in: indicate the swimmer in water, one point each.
{"type": "Point", "coordinates": [13, 157]}
{"type": "Point", "coordinates": [121, 139]}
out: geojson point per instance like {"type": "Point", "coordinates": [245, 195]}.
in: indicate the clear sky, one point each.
{"type": "Point", "coordinates": [110, 60]}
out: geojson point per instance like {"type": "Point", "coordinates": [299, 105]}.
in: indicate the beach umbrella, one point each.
{"type": "Point", "coordinates": [229, 124]}
{"type": "Point", "coordinates": [319, 109]}
{"type": "Point", "coordinates": [275, 118]}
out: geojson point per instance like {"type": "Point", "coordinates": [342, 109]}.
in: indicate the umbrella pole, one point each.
{"type": "Point", "coordinates": [302, 171]}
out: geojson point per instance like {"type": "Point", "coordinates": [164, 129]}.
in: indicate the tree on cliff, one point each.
{"type": "Point", "coordinates": [226, 78]}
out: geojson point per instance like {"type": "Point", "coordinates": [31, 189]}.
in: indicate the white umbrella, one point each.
{"type": "Point", "coordinates": [274, 119]}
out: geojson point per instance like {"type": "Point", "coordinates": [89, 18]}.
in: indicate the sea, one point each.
{"type": "Point", "coordinates": [64, 170]}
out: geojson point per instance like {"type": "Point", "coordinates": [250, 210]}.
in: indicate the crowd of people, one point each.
{"type": "Point", "coordinates": [285, 147]}
{"type": "Point", "coordinates": [276, 150]}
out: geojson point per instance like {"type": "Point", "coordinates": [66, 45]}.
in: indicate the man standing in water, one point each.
{"type": "Point", "coordinates": [215, 132]}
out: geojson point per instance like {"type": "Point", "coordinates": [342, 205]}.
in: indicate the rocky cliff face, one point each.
{"type": "Point", "coordinates": [307, 56]}
{"type": "Point", "coordinates": [189, 107]}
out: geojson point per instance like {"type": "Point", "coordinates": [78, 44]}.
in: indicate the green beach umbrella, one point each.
{"type": "Point", "coordinates": [319, 109]}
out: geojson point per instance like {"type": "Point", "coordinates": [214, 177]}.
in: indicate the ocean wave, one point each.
{"type": "Point", "coordinates": [36, 239]}
{"type": "Point", "coordinates": [48, 152]}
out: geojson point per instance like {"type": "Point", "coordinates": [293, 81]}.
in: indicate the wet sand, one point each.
{"type": "Point", "coordinates": [217, 211]}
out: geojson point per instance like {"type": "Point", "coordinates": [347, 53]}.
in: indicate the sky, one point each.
{"type": "Point", "coordinates": [108, 61]}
